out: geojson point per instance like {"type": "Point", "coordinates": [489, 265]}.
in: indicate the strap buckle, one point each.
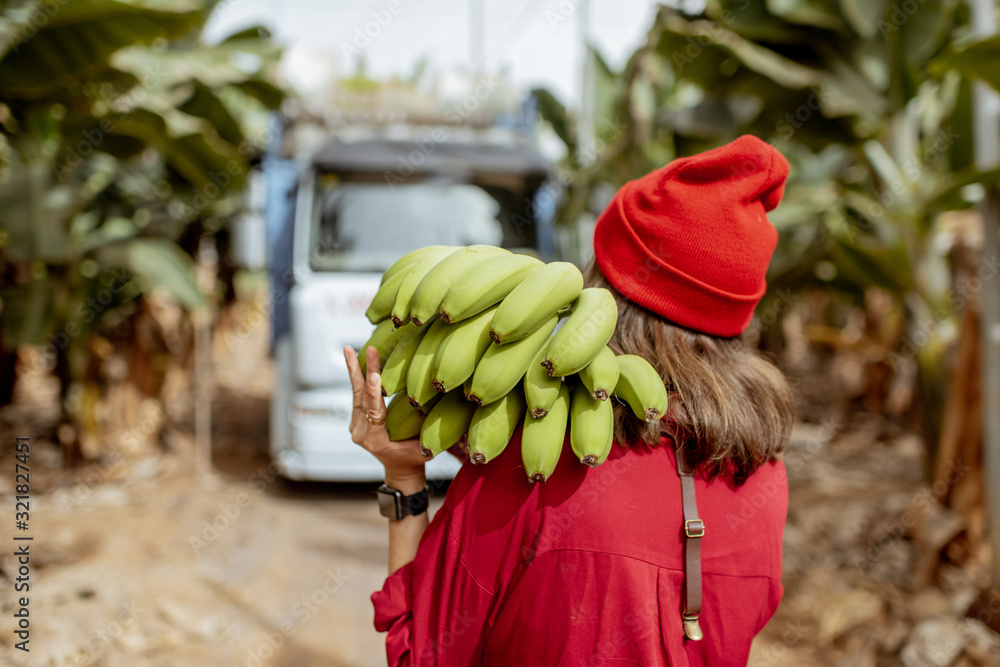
{"type": "Point", "coordinates": [692, 630]}
{"type": "Point", "coordinates": [694, 528]}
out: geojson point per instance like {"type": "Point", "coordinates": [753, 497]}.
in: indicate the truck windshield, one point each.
{"type": "Point", "coordinates": [365, 227]}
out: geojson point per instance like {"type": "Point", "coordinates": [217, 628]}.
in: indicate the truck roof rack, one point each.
{"type": "Point", "coordinates": [423, 158]}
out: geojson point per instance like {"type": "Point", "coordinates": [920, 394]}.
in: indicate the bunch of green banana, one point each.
{"type": "Point", "coordinates": [384, 339]}
{"type": "Point", "coordinates": [584, 334]}
{"type": "Point", "coordinates": [493, 425]}
{"type": "Point", "coordinates": [641, 387]}
{"type": "Point", "coordinates": [426, 301]}
{"type": "Point", "coordinates": [402, 420]}
{"type": "Point", "coordinates": [486, 284]}
{"type": "Point", "coordinates": [540, 389]}
{"type": "Point", "coordinates": [446, 423]}
{"type": "Point", "coordinates": [474, 327]}
{"type": "Point", "coordinates": [503, 366]}
{"type": "Point", "coordinates": [419, 372]}
{"type": "Point", "coordinates": [404, 294]}
{"type": "Point", "coordinates": [460, 351]}
{"type": "Point", "coordinates": [542, 437]}
{"type": "Point", "coordinates": [592, 427]}
{"type": "Point", "coordinates": [540, 296]}
{"type": "Point", "coordinates": [601, 375]}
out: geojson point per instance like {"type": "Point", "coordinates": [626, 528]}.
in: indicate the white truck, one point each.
{"type": "Point", "coordinates": [334, 225]}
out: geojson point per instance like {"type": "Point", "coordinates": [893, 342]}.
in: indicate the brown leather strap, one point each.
{"type": "Point", "coordinates": [694, 530]}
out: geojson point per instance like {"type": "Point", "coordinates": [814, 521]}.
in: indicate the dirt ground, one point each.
{"type": "Point", "coordinates": [136, 562]}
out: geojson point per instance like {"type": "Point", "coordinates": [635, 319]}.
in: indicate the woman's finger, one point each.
{"type": "Point", "coordinates": [357, 385]}
{"type": "Point", "coordinates": [353, 367]}
{"type": "Point", "coordinates": [372, 402]}
{"type": "Point", "coordinates": [374, 365]}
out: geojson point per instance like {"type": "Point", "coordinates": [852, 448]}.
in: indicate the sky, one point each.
{"type": "Point", "coordinates": [537, 41]}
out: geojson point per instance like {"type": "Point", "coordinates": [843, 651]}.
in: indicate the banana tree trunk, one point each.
{"type": "Point", "coordinates": [932, 384]}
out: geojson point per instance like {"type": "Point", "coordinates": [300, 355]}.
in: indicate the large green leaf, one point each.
{"type": "Point", "coordinates": [917, 36]}
{"type": "Point", "coordinates": [266, 93]}
{"type": "Point", "coordinates": [962, 151]}
{"type": "Point", "coordinates": [846, 90]}
{"type": "Point", "coordinates": [85, 132]}
{"type": "Point", "coordinates": [948, 195]}
{"type": "Point", "coordinates": [863, 15]}
{"type": "Point", "coordinates": [552, 111]}
{"type": "Point", "coordinates": [817, 13]}
{"type": "Point", "coordinates": [924, 31]}
{"type": "Point", "coordinates": [227, 63]}
{"type": "Point", "coordinates": [978, 59]}
{"type": "Point", "coordinates": [79, 38]}
{"type": "Point", "coordinates": [871, 262]}
{"type": "Point", "coordinates": [205, 163]}
{"type": "Point", "coordinates": [203, 103]}
{"type": "Point", "coordinates": [754, 56]}
{"type": "Point", "coordinates": [253, 32]}
{"type": "Point", "coordinates": [156, 263]}
{"type": "Point", "coordinates": [749, 19]}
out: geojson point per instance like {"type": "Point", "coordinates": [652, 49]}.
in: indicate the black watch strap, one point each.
{"type": "Point", "coordinates": [394, 505]}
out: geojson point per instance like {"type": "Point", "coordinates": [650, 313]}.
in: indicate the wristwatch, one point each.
{"type": "Point", "coordinates": [392, 504]}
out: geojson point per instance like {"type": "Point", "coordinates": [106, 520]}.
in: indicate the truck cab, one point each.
{"type": "Point", "coordinates": [334, 225]}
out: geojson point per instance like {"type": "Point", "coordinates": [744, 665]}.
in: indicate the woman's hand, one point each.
{"type": "Point", "coordinates": [404, 464]}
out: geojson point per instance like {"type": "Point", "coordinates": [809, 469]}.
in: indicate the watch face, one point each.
{"type": "Point", "coordinates": [388, 503]}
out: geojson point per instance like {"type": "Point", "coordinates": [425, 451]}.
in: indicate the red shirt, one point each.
{"type": "Point", "coordinates": [585, 569]}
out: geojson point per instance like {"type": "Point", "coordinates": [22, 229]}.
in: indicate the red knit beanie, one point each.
{"type": "Point", "coordinates": [690, 241]}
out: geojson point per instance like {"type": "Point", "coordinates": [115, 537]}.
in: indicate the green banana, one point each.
{"type": "Point", "coordinates": [485, 284]}
{"type": "Point", "coordinates": [398, 364]}
{"type": "Point", "coordinates": [542, 439]}
{"type": "Point", "coordinates": [493, 425]}
{"type": "Point", "coordinates": [460, 351]}
{"type": "Point", "coordinates": [446, 423]}
{"type": "Point", "coordinates": [591, 427]}
{"type": "Point", "coordinates": [384, 339]}
{"type": "Point", "coordinates": [601, 375]}
{"type": "Point", "coordinates": [540, 390]}
{"type": "Point", "coordinates": [467, 388]}
{"type": "Point", "coordinates": [641, 387]}
{"type": "Point", "coordinates": [584, 334]}
{"type": "Point", "coordinates": [503, 366]}
{"type": "Point", "coordinates": [540, 296]}
{"type": "Point", "coordinates": [402, 420]}
{"type": "Point", "coordinates": [404, 295]}
{"type": "Point", "coordinates": [407, 260]}
{"type": "Point", "coordinates": [381, 306]}
{"type": "Point", "coordinates": [418, 374]}
{"type": "Point", "coordinates": [426, 301]}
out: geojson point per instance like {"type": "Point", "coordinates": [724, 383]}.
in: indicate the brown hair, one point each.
{"type": "Point", "coordinates": [731, 410]}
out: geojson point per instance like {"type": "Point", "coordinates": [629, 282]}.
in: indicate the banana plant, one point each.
{"type": "Point", "coordinates": [870, 102]}
{"type": "Point", "coordinates": [123, 138]}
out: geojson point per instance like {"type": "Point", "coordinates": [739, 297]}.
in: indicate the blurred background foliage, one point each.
{"type": "Point", "coordinates": [870, 100]}
{"type": "Point", "coordinates": [125, 140]}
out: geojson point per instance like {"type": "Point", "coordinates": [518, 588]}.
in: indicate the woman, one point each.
{"type": "Point", "coordinates": [593, 566]}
